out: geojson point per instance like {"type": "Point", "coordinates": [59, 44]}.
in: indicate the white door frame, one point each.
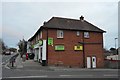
{"type": "Point", "coordinates": [88, 62]}
{"type": "Point", "coordinates": [44, 50]}
{"type": "Point", "coordinates": [94, 62]}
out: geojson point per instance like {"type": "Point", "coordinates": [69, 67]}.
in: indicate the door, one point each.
{"type": "Point", "coordinates": [40, 53]}
{"type": "Point", "coordinates": [88, 62]}
{"type": "Point", "coordinates": [93, 62]}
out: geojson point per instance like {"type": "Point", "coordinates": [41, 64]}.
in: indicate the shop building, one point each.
{"type": "Point", "coordinates": [69, 42]}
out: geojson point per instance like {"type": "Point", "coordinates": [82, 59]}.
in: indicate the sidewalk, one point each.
{"type": "Point", "coordinates": [32, 65]}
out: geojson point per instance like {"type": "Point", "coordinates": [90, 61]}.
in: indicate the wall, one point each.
{"type": "Point", "coordinates": [69, 57]}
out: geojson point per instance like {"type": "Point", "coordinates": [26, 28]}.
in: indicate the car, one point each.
{"type": "Point", "coordinates": [7, 53]}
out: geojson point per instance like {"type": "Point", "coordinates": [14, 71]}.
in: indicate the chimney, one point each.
{"type": "Point", "coordinates": [81, 18]}
{"type": "Point", "coordinates": [44, 22]}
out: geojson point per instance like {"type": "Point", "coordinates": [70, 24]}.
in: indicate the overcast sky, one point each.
{"type": "Point", "coordinates": [24, 18]}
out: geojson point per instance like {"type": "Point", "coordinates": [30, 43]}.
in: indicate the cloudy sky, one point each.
{"type": "Point", "coordinates": [22, 19]}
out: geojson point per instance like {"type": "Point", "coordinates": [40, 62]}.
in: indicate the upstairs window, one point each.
{"type": "Point", "coordinates": [86, 35]}
{"type": "Point", "coordinates": [59, 33]}
{"type": "Point", "coordinates": [41, 34]}
{"type": "Point", "coordinates": [78, 33]}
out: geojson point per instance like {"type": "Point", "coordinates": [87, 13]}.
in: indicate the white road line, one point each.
{"type": "Point", "coordinates": [43, 76]}
{"type": "Point", "coordinates": [65, 75]}
{"type": "Point", "coordinates": [110, 75]}
{"type": "Point", "coordinates": [6, 67]}
{"type": "Point", "coordinates": [73, 75]}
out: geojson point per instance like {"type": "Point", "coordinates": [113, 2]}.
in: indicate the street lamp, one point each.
{"type": "Point", "coordinates": [115, 42]}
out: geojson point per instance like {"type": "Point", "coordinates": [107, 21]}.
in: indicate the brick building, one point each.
{"type": "Point", "coordinates": [68, 42]}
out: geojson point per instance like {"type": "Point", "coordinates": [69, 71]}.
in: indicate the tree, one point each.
{"type": "Point", "coordinates": [0, 46]}
{"type": "Point", "coordinates": [113, 51]}
{"type": "Point", "coordinates": [3, 44]}
{"type": "Point", "coordinates": [106, 52]}
{"type": "Point", "coordinates": [22, 47]}
{"type": "Point", "coordinates": [3, 47]}
{"type": "Point", "coordinates": [13, 49]}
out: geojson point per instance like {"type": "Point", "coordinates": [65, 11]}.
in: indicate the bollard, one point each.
{"type": "Point", "coordinates": [12, 60]}
{"type": "Point", "coordinates": [12, 64]}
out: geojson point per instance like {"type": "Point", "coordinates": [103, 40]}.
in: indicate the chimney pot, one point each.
{"type": "Point", "coordinates": [82, 18]}
{"type": "Point", "coordinates": [44, 22]}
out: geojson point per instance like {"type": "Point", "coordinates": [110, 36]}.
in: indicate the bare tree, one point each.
{"type": "Point", "coordinates": [3, 47]}
{"type": "Point", "coordinates": [22, 47]}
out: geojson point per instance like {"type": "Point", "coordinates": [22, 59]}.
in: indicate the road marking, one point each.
{"type": "Point", "coordinates": [7, 66]}
{"type": "Point", "coordinates": [43, 76]}
{"type": "Point", "coordinates": [73, 75]}
{"type": "Point", "coordinates": [110, 75]}
{"type": "Point", "coordinates": [65, 75]}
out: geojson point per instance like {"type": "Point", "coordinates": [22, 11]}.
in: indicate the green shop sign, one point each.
{"type": "Point", "coordinates": [40, 42]}
{"type": "Point", "coordinates": [59, 47]}
{"type": "Point", "coordinates": [32, 46]}
{"type": "Point", "coordinates": [50, 41]}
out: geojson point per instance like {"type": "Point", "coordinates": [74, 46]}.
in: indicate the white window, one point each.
{"type": "Point", "coordinates": [59, 33]}
{"type": "Point", "coordinates": [78, 33]}
{"type": "Point", "coordinates": [86, 35]}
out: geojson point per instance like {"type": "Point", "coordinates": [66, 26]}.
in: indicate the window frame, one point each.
{"type": "Point", "coordinates": [78, 33]}
{"type": "Point", "coordinates": [40, 34]}
{"type": "Point", "coordinates": [86, 34]}
{"type": "Point", "coordinates": [59, 34]}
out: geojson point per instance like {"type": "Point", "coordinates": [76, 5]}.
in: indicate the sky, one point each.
{"type": "Point", "coordinates": [22, 19]}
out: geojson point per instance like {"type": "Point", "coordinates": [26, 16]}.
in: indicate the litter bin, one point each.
{"type": "Point", "coordinates": [31, 55]}
{"type": "Point", "coordinates": [43, 62]}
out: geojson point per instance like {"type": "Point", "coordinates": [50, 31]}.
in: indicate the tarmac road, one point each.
{"type": "Point", "coordinates": [34, 71]}
{"type": "Point", "coordinates": [58, 73]}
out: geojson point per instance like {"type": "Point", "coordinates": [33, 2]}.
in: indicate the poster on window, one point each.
{"type": "Point", "coordinates": [50, 41]}
{"type": "Point", "coordinates": [78, 47]}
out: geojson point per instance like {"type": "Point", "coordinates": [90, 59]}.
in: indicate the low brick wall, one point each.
{"type": "Point", "coordinates": [112, 63]}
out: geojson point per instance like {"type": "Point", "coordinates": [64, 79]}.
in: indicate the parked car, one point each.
{"type": "Point", "coordinates": [7, 53]}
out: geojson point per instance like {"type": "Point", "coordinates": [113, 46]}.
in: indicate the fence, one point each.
{"type": "Point", "coordinates": [112, 63]}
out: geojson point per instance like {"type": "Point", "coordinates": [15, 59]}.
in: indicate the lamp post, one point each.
{"type": "Point", "coordinates": [115, 42]}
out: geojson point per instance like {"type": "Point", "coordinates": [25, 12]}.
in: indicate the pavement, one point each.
{"type": "Point", "coordinates": [32, 65]}
{"type": "Point", "coordinates": [29, 65]}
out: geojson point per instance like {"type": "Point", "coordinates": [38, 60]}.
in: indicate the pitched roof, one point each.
{"type": "Point", "coordinates": [71, 24]}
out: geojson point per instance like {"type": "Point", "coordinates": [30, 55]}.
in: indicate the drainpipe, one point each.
{"type": "Point", "coordinates": [47, 47]}
{"type": "Point", "coordinates": [83, 51]}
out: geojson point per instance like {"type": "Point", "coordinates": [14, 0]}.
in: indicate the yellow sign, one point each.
{"type": "Point", "coordinates": [78, 47]}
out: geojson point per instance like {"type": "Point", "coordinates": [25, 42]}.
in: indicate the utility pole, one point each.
{"type": "Point", "coordinates": [115, 42]}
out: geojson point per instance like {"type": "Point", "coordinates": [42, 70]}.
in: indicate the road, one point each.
{"type": "Point", "coordinates": [6, 58]}
{"type": "Point", "coordinates": [40, 72]}
{"type": "Point", "coordinates": [60, 74]}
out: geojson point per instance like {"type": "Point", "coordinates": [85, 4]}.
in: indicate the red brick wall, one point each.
{"type": "Point", "coordinates": [69, 57]}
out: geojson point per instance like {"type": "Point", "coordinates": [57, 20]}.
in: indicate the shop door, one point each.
{"type": "Point", "coordinates": [88, 62]}
{"type": "Point", "coordinates": [93, 62]}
